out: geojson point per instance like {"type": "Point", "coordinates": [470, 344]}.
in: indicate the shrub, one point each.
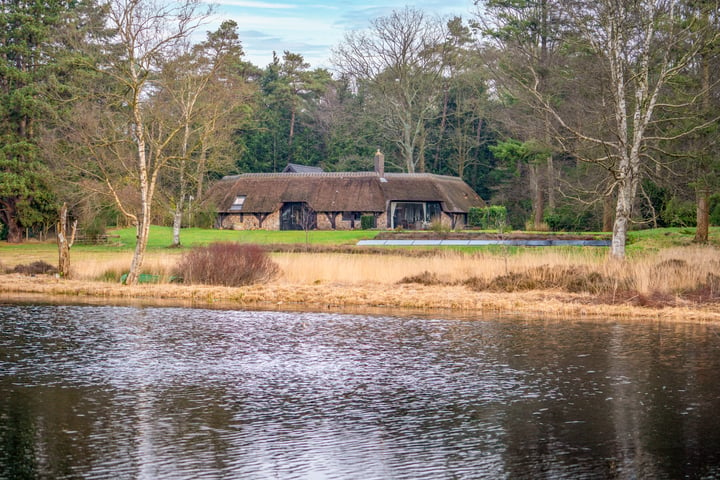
{"type": "Point", "coordinates": [94, 230]}
{"type": "Point", "coordinates": [424, 278]}
{"type": "Point", "coordinates": [203, 218]}
{"type": "Point", "coordinates": [570, 279]}
{"type": "Point", "coordinates": [36, 268]}
{"type": "Point", "coordinates": [367, 222]}
{"type": "Point", "coordinates": [679, 213]}
{"type": "Point", "coordinates": [475, 283]}
{"type": "Point", "coordinates": [227, 264]}
{"type": "Point", "coordinates": [437, 226]}
{"type": "Point", "coordinates": [487, 218]}
{"type": "Point", "coordinates": [571, 218]}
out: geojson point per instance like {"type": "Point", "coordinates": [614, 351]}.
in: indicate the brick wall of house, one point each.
{"type": "Point", "coordinates": [248, 221]}
{"type": "Point", "coordinates": [323, 223]}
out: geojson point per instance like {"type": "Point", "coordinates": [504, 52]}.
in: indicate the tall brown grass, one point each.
{"type": "Point", "coordinates": [669, 272]}
{"type": "Point", "coordinates": [447, 266]}
{"type": "Point", "coordinates": [110, 267]}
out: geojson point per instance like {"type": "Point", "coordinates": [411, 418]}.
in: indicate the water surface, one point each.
{"type": "Point", "coordinates": [167, 393]}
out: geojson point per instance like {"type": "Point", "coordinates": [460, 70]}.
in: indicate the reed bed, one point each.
{"type": "Point", "coordinates": [110, 267]}
{"type": "Point", "coordinates": [684, 278]}
{"type": "Point", "coordinates": [671, 270]}
{"type": "Point", "coordinates": [668, 271]}
{"type": "Point", "coordinates": [449, 266]}
{"type": "Point", "coordinates": [661, 278]}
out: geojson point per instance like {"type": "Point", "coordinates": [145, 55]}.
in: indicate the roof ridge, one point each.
{"type": "Point", "coordinates": [303, 174]}
{"type": "Point", "coordinates": [339, 174]}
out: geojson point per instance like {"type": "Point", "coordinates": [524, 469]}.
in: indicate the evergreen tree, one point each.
{"type": "Point", "coordinates": [26, 65]}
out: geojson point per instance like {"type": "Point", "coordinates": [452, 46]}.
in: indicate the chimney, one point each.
{"type": "Point", "coordinates": [380, 163]}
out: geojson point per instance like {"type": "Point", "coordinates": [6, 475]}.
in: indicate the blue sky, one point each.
{"type": "Point", "coordinates": [312, 27]}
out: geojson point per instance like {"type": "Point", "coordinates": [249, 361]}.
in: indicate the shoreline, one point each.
{"type": "Point", "coordinates": [373, 299]}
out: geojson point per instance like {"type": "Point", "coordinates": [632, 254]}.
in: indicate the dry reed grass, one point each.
{"type": "Point", "coordinates": [680, 281]}
{"type": "Point", "coordinates": [453, 300]}
{"type": "Point", "coordinates": [448, 266]}
{"type": "Point", "coordinates": [661, 279]}
{"type": "Point", "coordinates": [667, 271]}
{"type": "Point", "coordinates": [110, 267]}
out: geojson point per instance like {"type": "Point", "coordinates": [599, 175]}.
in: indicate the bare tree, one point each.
{"type": "Point", "coordinates": [637, 48]}
{"type": "Point", "coordinates": [529, 36]}
{"type": "Point", "coordinates": [398, 63]}
{"type": "Point", "coordinates": [119, 128]}
{"type": "Point", "coordinates": [198, 90]}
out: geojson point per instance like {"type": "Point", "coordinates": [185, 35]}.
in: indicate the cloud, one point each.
{"type": "Point", "coordinates": [311, 28]}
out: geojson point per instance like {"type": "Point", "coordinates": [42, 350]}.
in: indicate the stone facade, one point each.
{"type": "Point", "coordinates": [249, 221]}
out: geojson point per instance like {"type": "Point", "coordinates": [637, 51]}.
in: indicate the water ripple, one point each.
{"type": "Point", "coordinates": [164, 393]}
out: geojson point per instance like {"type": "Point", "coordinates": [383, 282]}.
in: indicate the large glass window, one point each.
{"type": "Point", "coordinates": [297, 216]}
{"type": "Point", "coordinates": [408, 215]}
{"type": "Point", "coordinates": [414, 215]}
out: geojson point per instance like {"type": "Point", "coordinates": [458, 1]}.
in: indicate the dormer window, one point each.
{"type": "Point", "coordinates": [238, 203]}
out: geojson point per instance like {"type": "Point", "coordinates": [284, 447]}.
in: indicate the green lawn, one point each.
{"type": "Point", "coordinates": [660, 238]}
{"type": "Point", "coordinates": [161, 237]}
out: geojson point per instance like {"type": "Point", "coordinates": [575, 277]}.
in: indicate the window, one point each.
{"type": "Point", "coordinates": [237, 205]}
{"type": "Point", "coordinates": [407, 215]}
{"type": "Point", "coordinates": [351, 216]}
{"type": "Point", "coordinates": [433, 212]}
{"type": "Point", "coordinates": [297, 216]}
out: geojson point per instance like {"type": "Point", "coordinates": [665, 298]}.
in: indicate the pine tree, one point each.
{"type": "Point", "coordinates": [26, 65]}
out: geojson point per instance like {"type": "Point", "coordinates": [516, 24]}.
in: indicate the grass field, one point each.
{"type": "Point", "coordinates": [646, 249]}
{"type": "Point", "coordinates": [640, 243]}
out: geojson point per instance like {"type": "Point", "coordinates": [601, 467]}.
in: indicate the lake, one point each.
{"type": "Point", "coordinates": [99, 392]}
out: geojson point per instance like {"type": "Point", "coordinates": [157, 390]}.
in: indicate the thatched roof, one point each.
{"type": "Point", "coordinates": [341, 191]}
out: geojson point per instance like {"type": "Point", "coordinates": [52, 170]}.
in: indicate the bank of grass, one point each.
{"type": "Point", "coordinates": [664, 270]}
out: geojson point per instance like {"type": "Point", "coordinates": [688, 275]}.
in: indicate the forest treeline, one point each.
{"type": "Point", "coordinates": [573, 114]}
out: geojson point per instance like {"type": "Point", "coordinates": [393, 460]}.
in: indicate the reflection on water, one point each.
{"type": "Point", "coordinates": [109, 392]}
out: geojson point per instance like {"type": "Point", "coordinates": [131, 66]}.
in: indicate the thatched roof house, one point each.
{"type": "Point", "coordinates": [338, 200]}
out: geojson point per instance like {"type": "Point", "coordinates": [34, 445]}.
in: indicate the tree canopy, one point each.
{"type": "Point", "coordinates": [572, 114]}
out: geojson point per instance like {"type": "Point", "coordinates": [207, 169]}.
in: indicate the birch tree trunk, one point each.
{"type": "Point", "coordinates": [627, 191]}
{"type": "Point", "coordinates": [703, 216]}
{"type": "Point", "coordinates": [65, 241]}
{"type": "Point", "coordinates": [143, 218]}
{"type": "Point", "coordinates": [178, 214]}
{"type": "Point", "coordinates": [537, 195]}
{"type": "Point", "coordinates": [180, 201]}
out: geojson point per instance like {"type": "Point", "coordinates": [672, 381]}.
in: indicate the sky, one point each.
{"type": "Point", "coordinates": [312, 28]}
